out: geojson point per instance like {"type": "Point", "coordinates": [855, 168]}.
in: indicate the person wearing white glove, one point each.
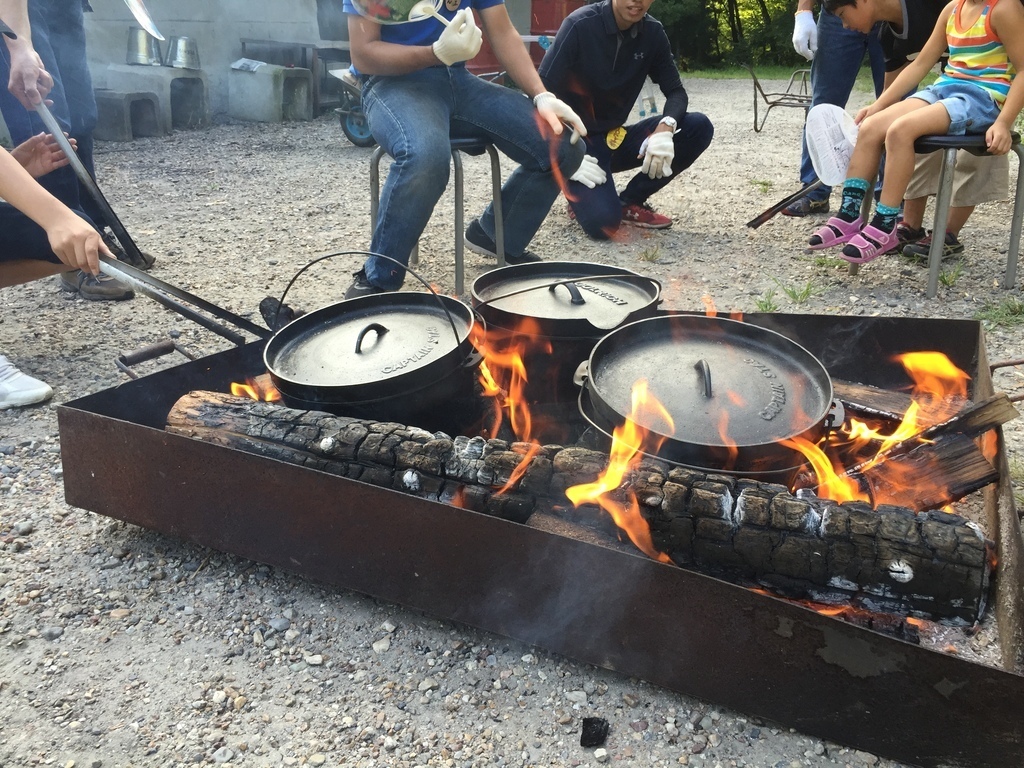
{"type": "Point", "coordinates": [836, 54]}
{"type": "Point", "coordinates": [590, 173]}
{"type": "Point", "coordinates": [598, 64]}
{"type": "Point", "coordinates": [460, 41]}
{"type": "Point", "coordinates": [418, 94]}
{"type": "Point", "coordinates": [805, 34]}
{"type": "Point", "coordinates": [657, 151]}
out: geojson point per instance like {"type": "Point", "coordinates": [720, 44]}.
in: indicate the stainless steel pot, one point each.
{"type": "Point", "coordinates": [143, 48]}
{"type": "Point", "coordinates": [182, 53]}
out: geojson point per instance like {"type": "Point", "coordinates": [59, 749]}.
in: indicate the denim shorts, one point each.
{"type": "Point", "coordinates": [971, 108]}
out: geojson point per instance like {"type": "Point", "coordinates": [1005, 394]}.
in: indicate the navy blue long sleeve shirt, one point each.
{"type": "Point", "coordinates": [599, 70]}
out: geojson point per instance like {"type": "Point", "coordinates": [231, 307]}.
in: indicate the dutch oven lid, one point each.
{"type": "Point", "coordinates": [713, 376]}
{"type": "Point", "coordinates": [370, 340]}
{"type": "Point", "coordinates": [567, 298]}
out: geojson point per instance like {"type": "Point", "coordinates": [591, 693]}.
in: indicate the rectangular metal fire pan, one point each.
{"type": "Point", "coordinates": [598, 604]}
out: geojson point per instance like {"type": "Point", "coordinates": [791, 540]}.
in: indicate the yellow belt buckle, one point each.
{"type": "Point", "coordinates": [615, 137]}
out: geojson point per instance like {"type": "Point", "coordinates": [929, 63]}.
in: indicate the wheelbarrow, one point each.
{"type": "Point", "coordinates": [350, 113]}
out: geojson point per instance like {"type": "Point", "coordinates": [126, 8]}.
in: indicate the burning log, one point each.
{"type": "Point", "coordinates": [944, 461]}
{"type": "Point", "coordinates": [890, 559]}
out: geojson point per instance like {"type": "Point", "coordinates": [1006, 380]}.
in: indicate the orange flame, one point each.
{"type": "Point", "coordinates": [627, 440]}
{"type": "Point", "coordinates": [938, 393]}
{"type": "Point", "coordinates": [503, 373]}
{"type": "Point", "coordinates": [256, 389]}
{"type": "Point", "coordinates": [709, 306]}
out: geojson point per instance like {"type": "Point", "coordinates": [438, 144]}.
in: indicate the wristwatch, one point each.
{"type": "Point", "coordinates": [670, 122]}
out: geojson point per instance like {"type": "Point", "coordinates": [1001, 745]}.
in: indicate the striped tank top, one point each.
{"type": "Point", "coordinates": [976, 55]}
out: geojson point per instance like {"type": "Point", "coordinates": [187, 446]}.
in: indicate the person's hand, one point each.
{"type": "Point", "coordinates": [556, 111]}
{"type": "Point", "coordinates": [29, 82]}
{"type": "Point", "coordinates": [460, 41]}
{"type": "Point", "coordinates": [590, 174]}
{"type": "Point", "coordinates": [658, 151]}
{"type": "Point", "coordinates": [998, 139]}
{"type": "Point", "coordinates": [41, 154]}
{"type": "Point", "coordinates": [76, 243]}
{"type": "Point", "coordinates": [865, 112]}
{"type": "Point", "coordinates": [805, 34]}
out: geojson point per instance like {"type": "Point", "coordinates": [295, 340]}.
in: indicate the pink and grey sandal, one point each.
{"type": "Point", "coordinates": [869, 244]}
{"type": "Point", "coordinates": [835, 232]}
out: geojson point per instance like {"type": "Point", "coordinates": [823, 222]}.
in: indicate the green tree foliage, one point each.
{"type": "Point", "coordinates": [706, 33]}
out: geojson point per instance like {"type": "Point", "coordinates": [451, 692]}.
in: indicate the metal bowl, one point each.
{"type": "Point", "coordinates": [143, 48]}
{"type": "Point", "coordinates": [182, 53]}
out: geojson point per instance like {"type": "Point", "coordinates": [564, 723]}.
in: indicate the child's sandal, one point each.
{"type": "Point", "coordinates": [869, 244]}
{"type": "Point", "coordinates": [835, 232]}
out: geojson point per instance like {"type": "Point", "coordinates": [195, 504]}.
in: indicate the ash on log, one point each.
{"type": "Point", "coordinates": [890, 559]}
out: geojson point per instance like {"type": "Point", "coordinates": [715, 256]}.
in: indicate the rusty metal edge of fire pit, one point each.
{"type": "Point", "coordinates": [675, 628]}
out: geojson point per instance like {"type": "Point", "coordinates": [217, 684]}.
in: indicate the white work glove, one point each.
{"type": "Point", "coordinates": [805, 34]}
{"type": "Point", "coordinates": [658, 150]}
{"type": "Point", "coordinates": [590, 174]}
{"type": "Point", "coordinates": [460, 40]}
{"type": "Point", "coordinates": [556, 111]}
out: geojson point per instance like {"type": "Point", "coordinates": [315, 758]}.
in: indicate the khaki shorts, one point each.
{"type": "Point", "coordinates": [976, 179]}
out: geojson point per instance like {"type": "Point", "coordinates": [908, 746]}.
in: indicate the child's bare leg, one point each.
{"type": "Point", "coordinates": [899, 147]}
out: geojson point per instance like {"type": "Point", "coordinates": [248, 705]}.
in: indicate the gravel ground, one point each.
{"type": "Point", "coordinates": [121, 647]}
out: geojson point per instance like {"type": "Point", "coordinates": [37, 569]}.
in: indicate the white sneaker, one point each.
{"type": "Point", "coordinates": [18, 389]}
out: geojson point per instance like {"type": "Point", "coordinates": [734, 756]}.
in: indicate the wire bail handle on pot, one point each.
{"type": "Point", "coordinates": [451, 320]}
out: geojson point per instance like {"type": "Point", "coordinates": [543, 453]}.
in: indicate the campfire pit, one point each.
{"type": "Point", "coordinates": [589, 598]}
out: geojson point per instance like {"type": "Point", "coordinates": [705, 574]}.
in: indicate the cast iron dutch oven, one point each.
{"type": "Point", "coordinates": [400, 356]}
{"type": "Point", "coordinates": [573, 304]}
{"type": "Point", "coordinates": [714, 377]}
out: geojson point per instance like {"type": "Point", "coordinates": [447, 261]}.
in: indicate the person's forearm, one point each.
{"type": "Point", "coordinates": [19, 189]}
{"type": "Point", "coordinates": [805, 5]}
{"type": "Point", "coordinates": [15, 15]}
{"type": "Point", "coordinates": [381, 58]}
{"type": "Point", "coordinates": [510, 51]}
{"type": "Point", "coordinates": [373, 56]}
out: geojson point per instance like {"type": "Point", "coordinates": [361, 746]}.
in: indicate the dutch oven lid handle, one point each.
{"type": "Point", "coordinates": [575, 297]}
{"type": "Point", "coordinates": [380, 330]}
{"type": "Point", "coordinates": [705, 376]}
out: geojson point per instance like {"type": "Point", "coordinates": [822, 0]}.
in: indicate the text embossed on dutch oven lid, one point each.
{"type": "Point", "coordinates": [431, 344]}
{"type": "Point", "coordinates": [777, 399]}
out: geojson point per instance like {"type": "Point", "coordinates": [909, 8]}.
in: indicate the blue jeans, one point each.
{"type": "Point", "coordinates": [599, 210]}
{"type": "Point", "coordinates": [58, 35]}
{"type": "Point", "coordinates": [413, 117]}
{"type": "Point", "coordinates": [834, 70]}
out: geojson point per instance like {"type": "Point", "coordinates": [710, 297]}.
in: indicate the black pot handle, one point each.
{"type": "Point", "coordinates": [407, 268]}
{"type": "Point", "coordinates": [575, 297]}
{"type": "Point", "coordinates": [380, 329]}
{"type": "Point", "coordinates": [705, 376]}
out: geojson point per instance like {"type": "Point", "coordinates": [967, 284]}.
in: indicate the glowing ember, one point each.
{"type": "Point", "coordinates": [627, 440]}
{"type": "Point", "coordinates": [256, 389]}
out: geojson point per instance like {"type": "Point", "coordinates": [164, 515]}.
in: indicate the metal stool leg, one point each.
{"type": "Point", "coordinates": [460, 230]}
{"type": "Point", "coordinates": [1013, 251]}
{"type": "Point", "coordinates": [499, 214]}
{"type": "Point", "coordinates": [942, 200]}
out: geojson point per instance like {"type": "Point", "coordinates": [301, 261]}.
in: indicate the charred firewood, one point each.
{"type": "Point", "coordinates": [888, 559]}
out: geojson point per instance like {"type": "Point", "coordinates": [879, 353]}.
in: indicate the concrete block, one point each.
{"type": "Point", "coordinates": [124, 116]}
{"type": "Point", "coordinates": [181, 93]}
{"type": "Point", "coordinates": [271, 94]}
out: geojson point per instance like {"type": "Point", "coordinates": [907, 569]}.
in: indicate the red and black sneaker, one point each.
{"type": "Point", "coordinates": [642, 215]}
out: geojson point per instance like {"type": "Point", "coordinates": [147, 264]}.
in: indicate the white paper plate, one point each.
{"type": "Point", "coordinates": [831, 135]}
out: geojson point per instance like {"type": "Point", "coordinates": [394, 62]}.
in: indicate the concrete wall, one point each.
{"type": "Point", "coordinates": [218, 25]}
